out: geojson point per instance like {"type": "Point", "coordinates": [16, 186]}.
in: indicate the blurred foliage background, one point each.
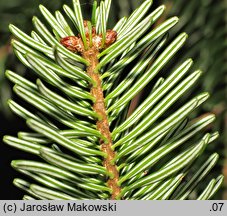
{"type": "Point", "coordinates": [204, 20]}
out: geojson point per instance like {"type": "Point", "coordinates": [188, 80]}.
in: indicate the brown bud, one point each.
{"type": "Point", "coordinates": [111, 37]}
{"type": "Point", "coordinates": [80, 45]}
{"type": "Point", "coordinates": [97, 41]}
{"type": "Point", "coordinates": [75, 44]}
{"type": "Point", "coordinates": [86, 29]}
{"type": "Point", "coordinates": [72, 43]}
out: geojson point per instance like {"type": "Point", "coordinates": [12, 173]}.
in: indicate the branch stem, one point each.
{"type": "Point", "coordinates": [91, 55]}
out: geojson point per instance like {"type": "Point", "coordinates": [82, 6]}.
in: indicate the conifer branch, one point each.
{"type": "Point", "coordinates": [90, 54]}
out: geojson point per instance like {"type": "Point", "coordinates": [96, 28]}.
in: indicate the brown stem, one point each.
{"type": "Point", "coordinates": [75, 44]}
{"type": "Point", "coordinates": [102, 125]}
